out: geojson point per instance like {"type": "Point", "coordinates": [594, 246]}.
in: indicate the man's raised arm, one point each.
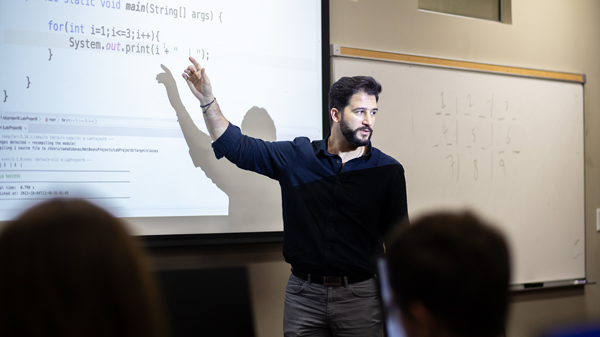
{"type": "Point", "coordinates": [199, 84]}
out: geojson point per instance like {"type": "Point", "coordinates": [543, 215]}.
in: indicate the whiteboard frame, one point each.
{"type": "Point", "coordinates": [337, 50]}
{"type": "Point", "coordinates": [382, 55]}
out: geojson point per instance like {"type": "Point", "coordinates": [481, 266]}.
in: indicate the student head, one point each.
{"type": "Point", "coordinates": [352, 105]}
{"type": "Point", "coordinates": [68, 268]}
{"type": "Point", "coordinates": [450, 275]}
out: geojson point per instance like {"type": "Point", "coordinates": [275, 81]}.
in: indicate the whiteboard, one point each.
{"type": "Point", "coordinates": [508, 148]}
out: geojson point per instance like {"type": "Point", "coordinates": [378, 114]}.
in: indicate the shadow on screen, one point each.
{"type": "Point", "coordinates": [253, 199]}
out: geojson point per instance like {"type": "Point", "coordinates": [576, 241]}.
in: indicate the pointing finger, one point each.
{"type": "Point", "coordinates": [195, 63]}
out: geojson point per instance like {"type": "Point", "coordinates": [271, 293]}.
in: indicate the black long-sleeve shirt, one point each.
{"type": "Point", "coordinates": [334, 215]}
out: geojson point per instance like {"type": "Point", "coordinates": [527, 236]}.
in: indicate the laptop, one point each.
{"type": "Point", "coordinates": [391, 313]}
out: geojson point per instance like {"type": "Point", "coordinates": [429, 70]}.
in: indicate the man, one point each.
{"type": "Point", "coordinates": [449, 275]}
{"type": "Point", "coordinates": [339, 195]}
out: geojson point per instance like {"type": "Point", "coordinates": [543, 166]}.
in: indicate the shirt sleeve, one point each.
{"type": "Point", "coordinates": [253, 154]}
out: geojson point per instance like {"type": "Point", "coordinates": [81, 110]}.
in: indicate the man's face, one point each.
{"type": "Point", "coordinates": [357, 119]}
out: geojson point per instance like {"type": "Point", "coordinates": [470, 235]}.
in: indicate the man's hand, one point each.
{"type": "Point", "coordinates": [198, 82]}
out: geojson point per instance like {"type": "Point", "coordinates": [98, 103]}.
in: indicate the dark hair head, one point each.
{"type": "Point", "coordinates": [70, 269]}
{"type": "Point", "coordinates": [343, 89]}
{"type": "Point", "coordinates": [457, 267]}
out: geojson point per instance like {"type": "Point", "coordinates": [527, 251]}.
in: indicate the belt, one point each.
{"type": "Point", "coordinates": [331, 281]}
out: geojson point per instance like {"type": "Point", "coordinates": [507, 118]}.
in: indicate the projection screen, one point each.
{"type": "Point", "coordinates": [93, 105]}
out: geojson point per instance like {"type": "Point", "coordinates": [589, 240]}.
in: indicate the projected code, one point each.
{"type": "Point", "coordinates": [45, 145]}
{"type": "Point", "coordinates": [12, 187]}
{"type": "Point", "coordinates": [97, 35]}
{"type": "Point", "coordinates": [128, 33]}
{"type": "Point", "coordinates": [180, 12]}
{"type": "Point", "coordinates": [23, 153]}
{"type": "Point", "coordinates": [31, 184]}
{"type": "Point", "coordinates": [99, 123]}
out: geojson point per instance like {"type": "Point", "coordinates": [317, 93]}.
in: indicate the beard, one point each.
{"type": "Point", "coordinates": [351, 136]}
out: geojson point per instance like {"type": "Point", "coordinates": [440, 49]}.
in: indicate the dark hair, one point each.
{"type": "Point", "coordinates": [457, 267]}
{"type": "Point", "coordinates": [343, 89]}
{"type": "Point", "coordinates": [69, 268]}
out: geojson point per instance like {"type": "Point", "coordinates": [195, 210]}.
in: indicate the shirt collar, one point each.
{"type": "Point", "coordinates": [322, 149]}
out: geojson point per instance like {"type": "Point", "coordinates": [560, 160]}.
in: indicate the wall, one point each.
{"type": "Point", "coordinates": [544, 34]}
{"type": "Point", "coordinates": [553, 35]}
